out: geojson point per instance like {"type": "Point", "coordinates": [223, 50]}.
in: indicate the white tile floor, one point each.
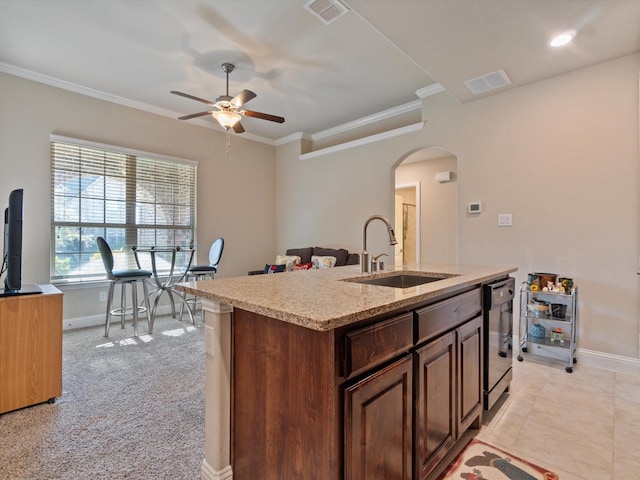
{"type": "Point", "coordinates": [582, 426]}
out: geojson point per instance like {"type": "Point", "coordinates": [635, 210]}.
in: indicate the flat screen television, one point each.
{"type": "Point", "coordinates": [12, 251]}
{"type": "Point", "coordinates": [13, 242]}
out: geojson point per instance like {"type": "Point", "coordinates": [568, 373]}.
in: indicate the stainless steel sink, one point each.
{"type": "Point", "coordinates": [400, 280]}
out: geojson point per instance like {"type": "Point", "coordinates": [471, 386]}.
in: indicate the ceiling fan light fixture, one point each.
{"type": "Point", "coordinates": [227, 119]}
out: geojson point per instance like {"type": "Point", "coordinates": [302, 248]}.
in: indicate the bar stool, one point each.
{"type": "Point", "coordinates": [124, 278]}
{"type": "Point", "coordinates": [202, 272]}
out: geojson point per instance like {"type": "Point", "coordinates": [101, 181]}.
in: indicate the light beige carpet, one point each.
{"type": "Point", "coordinates": [481, 461]}
{"type": "Point", "coordinates": [131, 408]}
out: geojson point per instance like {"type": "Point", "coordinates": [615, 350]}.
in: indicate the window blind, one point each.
{"type": "Point", "coordinates": [130, 198]}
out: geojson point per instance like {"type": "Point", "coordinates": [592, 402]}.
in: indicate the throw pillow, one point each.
{"type": "Point", "coordinates": [303, 266]}
{"type": "Point", "coordinates": [303, 253]}
{"type": "Point", "coordinates": [323, 262]}
{"type": "Point", "coordinates": [340, 253]}
{"type": "Point", "coordinates": [273, 268]}
{"type": "Point", "coordinates": [288, 260]}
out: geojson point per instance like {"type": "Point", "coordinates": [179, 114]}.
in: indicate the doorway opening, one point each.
{"type": "Point", "coordinates": [407, 223]}
{"type": "Point", "coordinates": [426, 207]}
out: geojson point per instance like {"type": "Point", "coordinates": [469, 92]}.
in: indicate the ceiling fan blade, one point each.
{"type": "Point", "coordinates": [242, 98]}
{"type": "Point", "coordinates": [263, 116]}
{"type": "Point", "coordinates": [197, 99]}
{"type": "Point", "coordinates": [238, 128]}
{"type": "Point", "coordinates": [194, 115]}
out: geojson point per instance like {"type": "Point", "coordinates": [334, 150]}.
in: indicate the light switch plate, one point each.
{"type": "Point", "coordinates": [504, 220]}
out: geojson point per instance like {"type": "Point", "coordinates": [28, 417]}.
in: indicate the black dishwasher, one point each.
{"type": "Point", "coordinates": [497, 306]}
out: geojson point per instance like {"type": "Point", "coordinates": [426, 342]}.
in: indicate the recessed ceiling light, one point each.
{"type": "Point", "coordinates": [562, 39]}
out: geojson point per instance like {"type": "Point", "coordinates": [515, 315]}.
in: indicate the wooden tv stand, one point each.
{"type": "Point", "coordinates": [30, 348]}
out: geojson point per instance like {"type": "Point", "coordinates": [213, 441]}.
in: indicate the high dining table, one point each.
{"type": "Point", "coordinates": [177, 273]}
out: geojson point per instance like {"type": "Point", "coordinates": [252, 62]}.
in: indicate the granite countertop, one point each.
{"type": "Point", "coordinates": [322, 300]}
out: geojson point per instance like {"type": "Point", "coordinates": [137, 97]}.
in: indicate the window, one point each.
{"type": "Point", "coordinates": [128, 197]}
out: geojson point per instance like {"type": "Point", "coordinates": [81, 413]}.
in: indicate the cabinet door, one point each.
{"type": "Point", "coordinates": [469, 348]}
{"type": "Point", "coordinates": [435, 403]}
{"type": "Point", "coordinates": [378, 419]}
{"type": "Point", "coordinates": [30, 349]}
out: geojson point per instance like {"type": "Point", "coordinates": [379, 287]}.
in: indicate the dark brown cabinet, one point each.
{"type": "Point", "coordinates": [378, 424]}
{"type": "Point", "coordinates": [447, 369]}
{"type": "Point", "coordinates": [469, 375]}
{"type": "Point", "coordinates": [448, 397]}
{"type": "Point", "coordinates": [386, 398]}
{"type": "Point", "coordinates": [436, 420]}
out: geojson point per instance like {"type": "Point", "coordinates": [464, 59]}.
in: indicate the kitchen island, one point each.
{"type": "Point", "coordinates": [311, 374]}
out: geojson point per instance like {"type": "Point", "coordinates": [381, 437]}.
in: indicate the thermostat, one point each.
{"type": "Point", "coordinates": [474, 207]}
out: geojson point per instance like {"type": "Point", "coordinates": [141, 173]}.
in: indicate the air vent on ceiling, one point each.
{"type": "Point", "coordinates": [487, 82]}
{"type": "Point", "coordinates": [326, 10]}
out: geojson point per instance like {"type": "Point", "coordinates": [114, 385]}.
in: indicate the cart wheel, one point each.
{"type": "Point", "coordinates": [520, 358]}
{"type": "Point", "coordinates": [52, 400]}
{"type": "Point", "coordinates": [525, 349]}
{"type": "Point", "coordinates": [575, 360]}
{"type": "Point", "coordinates": [569, 369]}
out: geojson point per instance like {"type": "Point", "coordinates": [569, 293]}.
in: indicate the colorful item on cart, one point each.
{"type": "Point", "coordinates": [538, 330]}
{"type": "Point", "coordinates": [546, 282]}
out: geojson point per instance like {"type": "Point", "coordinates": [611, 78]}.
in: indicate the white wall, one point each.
{"type": "Point", "coordinates": [325, 201]}
{"type": "Point", "coordinates": [235, 195]}
{"type": "Point", "coordinates": [438, 206]}
{"type": "Point", "coordinates": [561, 155]}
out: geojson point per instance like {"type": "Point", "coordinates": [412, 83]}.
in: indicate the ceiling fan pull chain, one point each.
{"type": "Point", "coordinates": [226, 152]}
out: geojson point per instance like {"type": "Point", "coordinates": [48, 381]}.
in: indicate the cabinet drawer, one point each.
{"type": "Point", "coordinates": [448, 314]}
{"type": "Point", "coordinates": [376, 343]}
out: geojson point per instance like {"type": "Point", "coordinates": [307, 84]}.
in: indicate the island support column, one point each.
{"type": "Point", "coordinates": [217, 462]}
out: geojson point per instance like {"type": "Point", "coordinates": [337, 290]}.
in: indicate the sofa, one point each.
{"type": "Point", "coordinates": [306, 254]}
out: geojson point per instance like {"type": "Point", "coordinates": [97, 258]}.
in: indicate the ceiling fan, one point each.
{"type": "Point", "coordinates": [228, 110]}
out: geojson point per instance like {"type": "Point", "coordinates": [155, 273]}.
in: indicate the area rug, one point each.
{"type": "Point", "coordinates": [481, 461]}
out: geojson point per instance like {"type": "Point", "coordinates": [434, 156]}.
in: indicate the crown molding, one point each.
{"type": "Point", "coordinates": [429, 90]}
{"type": "Point", "coordinates": [74, 87]}
{"type": "Point", "coordinates": [107, 97]}
{"type": "Point", "coordinates": [364, 121]}
{"type": "Point", "coordinates": [376, 117]}
{"type": "Point", "coordinates": [363, 141]}
{"type": "Point", "coordinates": [292, 138]}
{"type": "Point", "coordinates": [346, 127]}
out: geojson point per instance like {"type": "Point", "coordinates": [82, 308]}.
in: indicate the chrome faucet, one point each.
{"type": "Point", "coordinates": [377, 265]}
{"type": "Point", "coordinates": [364, 256]}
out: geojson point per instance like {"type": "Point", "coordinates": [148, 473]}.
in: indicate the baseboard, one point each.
{"type": "Point", "coordinates": [208, 473]}
{"type": "Point", "coordinates": [82, 322]}
{"type": "Point", "coordinates": [592, 358]}
{"type": "Point", "coordinates": [95, 320]}
{"type": "Point", "coordinates": [608, 361]}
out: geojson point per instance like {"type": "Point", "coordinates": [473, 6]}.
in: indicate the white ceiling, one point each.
{"type": "Point", "coordinates": [317, 76]}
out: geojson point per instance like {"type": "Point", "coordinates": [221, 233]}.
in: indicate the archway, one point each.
{"type": "Point", "coordinates": [426, 206]}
